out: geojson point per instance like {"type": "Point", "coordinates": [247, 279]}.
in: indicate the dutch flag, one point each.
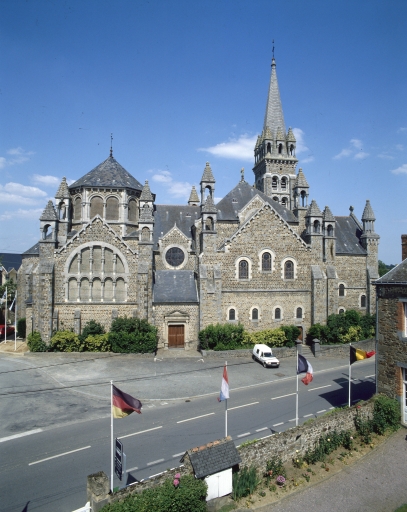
{"type": "Point", "coordinates": [224, 389]}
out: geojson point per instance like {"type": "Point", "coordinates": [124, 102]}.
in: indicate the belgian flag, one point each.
{"type": "Point", "coordinates": [356, 354]}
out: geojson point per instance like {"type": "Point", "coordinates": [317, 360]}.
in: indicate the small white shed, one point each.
{"type": "Point", "coordinates": [214, 462]}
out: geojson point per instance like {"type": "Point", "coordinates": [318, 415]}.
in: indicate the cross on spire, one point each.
{"type": "Point", "coordinates": [111, 144]}
{"type": "Point", "coordinates": [273, 48]}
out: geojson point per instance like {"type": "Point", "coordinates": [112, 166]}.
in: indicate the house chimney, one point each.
{"type": "Point", "coordinates": [403, 247]}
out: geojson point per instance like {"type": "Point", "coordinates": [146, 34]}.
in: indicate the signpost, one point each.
{"type": "Point", "coordinates": [118, 459]}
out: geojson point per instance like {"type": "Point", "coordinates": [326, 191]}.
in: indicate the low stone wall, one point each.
{"type": "Point", "coordinates": [284, 445]}
{"type": "Point", "coordinates": [343, 350]}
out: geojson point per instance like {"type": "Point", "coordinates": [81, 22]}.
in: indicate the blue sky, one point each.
{"type": "Point", "coordinates": [179, 83]}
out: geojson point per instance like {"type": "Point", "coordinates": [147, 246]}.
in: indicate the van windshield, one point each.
{"type": "Point", "coordinates": [267, 354]}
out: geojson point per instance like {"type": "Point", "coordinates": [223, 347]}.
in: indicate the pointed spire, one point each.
{"type": "Point", "coordinates": [63, 191]}
{"type": "Point", "coordinates": [290, 135]}
{"type": "Point", "coordinates": [274, 117]}
{"type": "Point", "coordinates": [313, 210]}
{"type": "Point", "coordinates": [207, 175]}
{"type": "Point", "coordinates": [328, 216]}
{"type": "Point", "coordinates": [146, 194]}
{"type": "Point", "coordinates": [193, 198]}
{"type": "Point", "coordinates": [300, 181]}
{"type": "Point", "coordinates": [49, 212]}
{"type": "Point", "coordinates": [368, 213]}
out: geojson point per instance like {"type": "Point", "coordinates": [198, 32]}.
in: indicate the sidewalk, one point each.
{"type": "Point", "coordinates": [376, 483]}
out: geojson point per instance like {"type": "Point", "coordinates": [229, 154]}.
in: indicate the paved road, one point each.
{"type": "Point", "coordinates": [65, 400]}
{"type": "Point", "coordinates": [376, 483]}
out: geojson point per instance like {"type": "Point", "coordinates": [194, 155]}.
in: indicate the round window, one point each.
{"type": "Point", "coordinates": [175, 256]}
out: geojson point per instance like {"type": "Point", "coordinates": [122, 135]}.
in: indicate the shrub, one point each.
{"type": "Point", "coordinates": [21, 328]}
{"type": "Point", "coordinates": [270, 337]}
{"type": "Point", "coordinates": [326, 444]}
{"type": "Point", "coordinates": [35, 342]}
{"type": "Point", "coordinates": [292, 333]}
{"type": "Point", "coordinates": [274, 467]}
{"type": "Point", "coordinates": [96, 343]}
{"type": "Point", "coordinates": [65, 341]}
{"type": "Point", "coordinates": [244, 482]}
{"type": "Point", "coordinates": [221, 337]}
{"type": "Point", "coordinates": [344, 328]}
{"type": "Point", "coordinates": [128, 335]}
{"type": "Point", "coordinates": [386, 414]}
{"type": "Point", "coordinates": [319, 332]}
{"type": "Point", "coordinates": [91, 328]}
{"type": "Point", "coordinates": [188, 496]}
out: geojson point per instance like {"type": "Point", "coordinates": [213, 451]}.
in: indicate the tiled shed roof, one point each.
{"type": "Point", "coordinates": [213, 457]}
{"type": "Point", "coordinates": [175, 286]}
{"type": "Point", "coordinates": [397, 275]}
{"type": "Point", "coordinates": [348, 235]}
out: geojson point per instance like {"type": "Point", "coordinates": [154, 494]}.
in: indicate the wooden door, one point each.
{"type": "Point", "coordinates": [176, 336]}
{"type": "Point", "coordinates": [300, 337]}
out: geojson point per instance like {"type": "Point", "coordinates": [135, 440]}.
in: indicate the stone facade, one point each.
{"type": "Point", "coordinates": [392, 334]}
{"type": "Point", "coordinates": [261, 256]}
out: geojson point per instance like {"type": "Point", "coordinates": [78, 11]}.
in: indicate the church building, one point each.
{"type": "Point", "coordinates": [264, 256]}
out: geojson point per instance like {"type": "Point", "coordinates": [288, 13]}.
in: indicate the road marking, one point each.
{"type": "Point", "coordinates": [332, 408]}
{"type": "Point", "coordinates": [178, 454]}
{"type": "Point", "coordinates": [307, 415]}
{"type": "Point", "coordinates": [283, 396]}
{"type": "Point", "coordinates": [321, 387]}
{"type": "Point", "coordinates": [131, 469]}
{"type": "Point", "coordinates": [322, 410]}
{"type": "Point", "coordinates": [278, 424]}
{"type": "Point", "coordinates": [196, 417]}
{"type": "Point", "coordinates": [155, 462]}
{"type": "Point", "coordinates": [245, 405]}
{"type": "Point", "coordinates": [60, 455]}
{"type": "Point", "coordinates": [141, 432]}
{"type": "Point", "coordinates": [244, 435]}
{"type": "Point", "coordinates": [261, 429]}
{"type": "Point", "coordinates": [164, 403]}
{"type": "Point", "coordinates": [23, 434]}
{"type": "Point", "coordinates": [369, 376]}
{"type": "Point", "coordinates": [294, 419]}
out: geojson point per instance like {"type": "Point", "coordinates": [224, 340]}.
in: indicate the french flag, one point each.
{"type": "Point", "coordinates": [224, 389]}
{"type": "Point", "coordinates": [304, 366]}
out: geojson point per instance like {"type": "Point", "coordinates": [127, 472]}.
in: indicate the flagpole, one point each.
{"type": "Point", "coordinates": [5, 320]}
{"type": "Point", "coordinates": [350, 348]}
{"type": "Point", "coordinates": [111, 436]}
{"type": "Point", "coordinates": [15, 323]}
{"type": "Point", "coordinates": [296, 395]}
{"type": "Point", "coordinates": [226, 409]}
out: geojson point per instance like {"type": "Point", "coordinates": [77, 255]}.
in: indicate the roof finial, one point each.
{"type": "Point", "coordinates": [111, 144]}
{"type": "Point", "coordinates": [273, 48]}
{"type": "Point", "coordinates": [242, 174]}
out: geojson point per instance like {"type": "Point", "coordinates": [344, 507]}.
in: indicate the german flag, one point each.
{"type": "Point", "coordinates": [124, 404]}
{"type": "Point", "coordinates": [356, 354]}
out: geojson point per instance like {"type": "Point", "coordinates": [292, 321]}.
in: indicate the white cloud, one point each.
{"type": "Point", "coordinates": [300, 145]}
{"type": "Point", "coordinates": [21, 214]}
{"type": "Point", "coordinates": [307, 159]}
{"type": "Point", "coordinates": [239, 149]}
{"type": "Point", "coordinates": [18, 156]}
{"type": "Point", "coordinates": [385, 156]}
{"type": "Point", "coordinates": [176, 189]}
{"type": "Point", "coordinates": [22, 190]}
{"type": "Point", "coordinates": [402, 129]}
{"type": "Point", "coordinates": [5, 197]}
{"type": "Point", "coordinates": [355, 151]}
{"type": "Point", "coordinates": [46, 180]}
{"type": "Point", "coordinates": [400, 170]}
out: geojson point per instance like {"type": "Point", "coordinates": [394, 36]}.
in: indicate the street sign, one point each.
{"type": "Point", "coordinates": [118, 459]}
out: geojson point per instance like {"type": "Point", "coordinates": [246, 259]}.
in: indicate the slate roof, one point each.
{"type": "Point", "coordinates": [300, 180]}
{"type": "Point", "coordinates": [213, 457]}
{"type": "Point", "coordinates": [63, 190]}
{"type": "Point", "coordinates": [108, 174]}
{"type": "Point", "coordinates": [328, 215]}
{"type": "Point", "coordinates": [174, 286]}
{"type": "Point", "coordinates": [274, 117]}
{"type": "Point", "coordinates": [348, 234]}
{"type": "Point", "coordinates": [237, 198]}
{"type": "Point", "coordinates": [10, 260]}
{"type": "Point", "coordinates": [34, 250]}
{"type": "Point", "coordinates": [166, 215]}
{"type": "Point", "coordinates": [193, 198]}
{"type": "Point", "coordinates": [397, 275]}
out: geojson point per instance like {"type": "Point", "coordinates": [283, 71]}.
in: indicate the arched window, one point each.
{"type": "Point", "coordinates": [209, 224]}
{"type": "Point", "coordinates": [145, 235]}
{"type": "Point", "coordinates": [363, 301]}
{"type": "Point", "coordinates": [284, 202]}
{"type": "Point", "coordinates": [268, 147]}
{"type": "Point", "coordinates": [317, 226]}
{"type": "Point", "coordinates": [255, 314]}
{"type": "Point", "coordinates": [133, 210]}
{"type": "Point", "coordinates": [289, 270]}
{"type": "Point", "coordinates": [274, 183]}
{"type": "Point", "coordinates": [62, 210]}
{"type": "Point", "coordinates": [277, 314]}
{"type": "Point", "coordinates": [303, 199]}
{"type": "Point", "coordinates": [298, 313]}
{"type": "Point", "coordinates": [292, 149]}
{"type": "Point", "coordinates": [280, 149]}
{"type": "Point", "coordinates": [266, 262]}
{"type": "Point", "coordinates": [232, 314]}
{"type": "Point", "coordinates": [341, 311]}
{"type": "Point", "coordinates": [96, 206]}
{"type": "Point", "coordinates": [46, 232]}
{"type": "Point", "coordinates": [341, 290]}
{"type": "Point", "coordinates": [283, 183]}
{"type": "Point", "coordinates": [243, 269]}
{"type": "Point", "coordinates": [275, 199]}
{"type": "Point", "coordinates": [112, 208]}
{"type": "Point", "coordinates": [77, 209]}
{"type": "Point", "coordinates": [330, 230]}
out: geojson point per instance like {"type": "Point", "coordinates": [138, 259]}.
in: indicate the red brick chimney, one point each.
{"type": "Point", "coordinates": [403, 247]}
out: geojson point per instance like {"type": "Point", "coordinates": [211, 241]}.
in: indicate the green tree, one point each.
{"type": "Point", "coordinates": [11, 290]}
{"type": "Point", "coordinates": [383, 268]}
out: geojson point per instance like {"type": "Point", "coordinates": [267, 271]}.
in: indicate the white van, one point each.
{"type": "Point", "coordinates": [264, 355]}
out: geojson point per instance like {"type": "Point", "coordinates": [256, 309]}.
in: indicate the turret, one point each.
{"type": "Point", "coordinates": [146, 217]}
{"type": "Point", "coordinates": [207, 183]}
{"type": "Point", "coordinates": [193, 198]}
{"type": "Point", "coordinates": [313, 226]}
{"type": "Point", "coordinates": [48, 224]}
{"type": "Point", "coordinates": [328, 226]}
{"type": "Point", "coordinates": [64, 211]}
